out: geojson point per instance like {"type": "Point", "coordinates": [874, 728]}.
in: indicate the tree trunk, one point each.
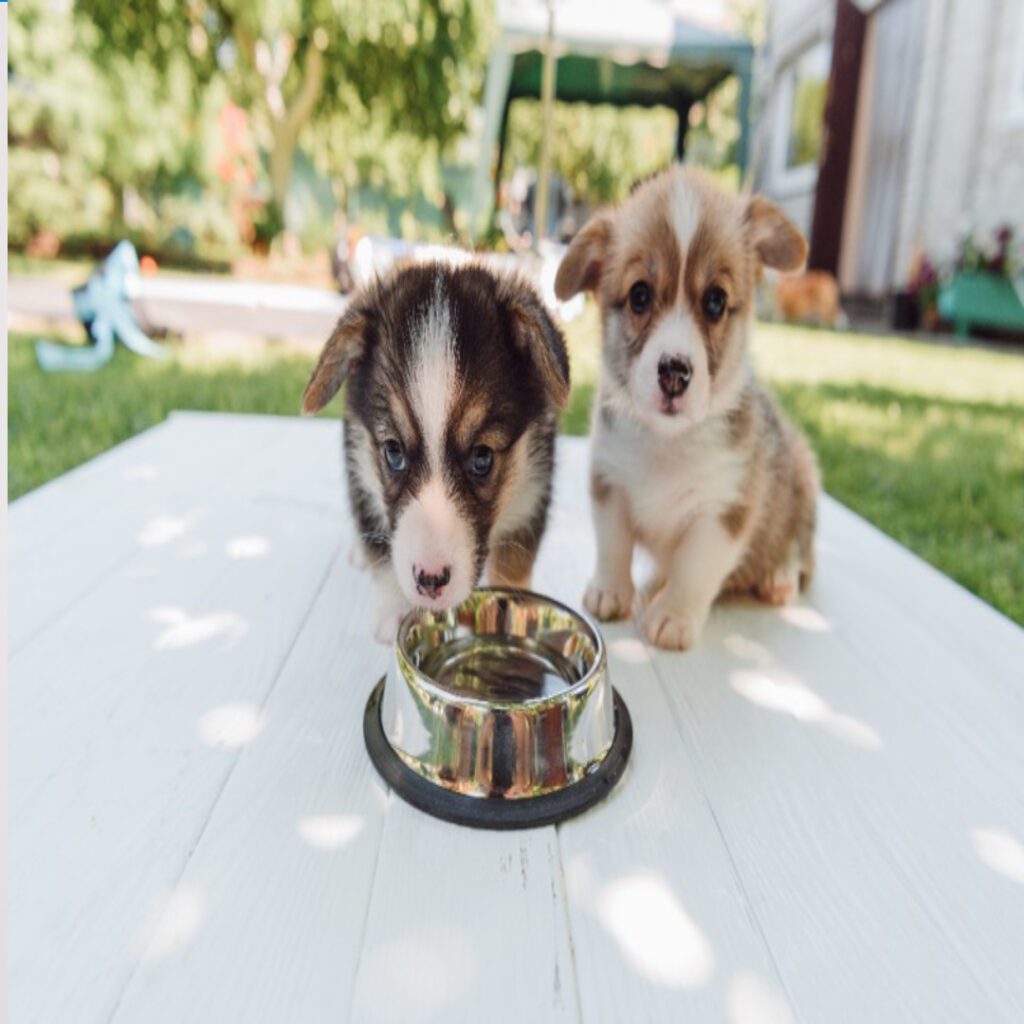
{"type": "Point", "coordinates": [286, 126]}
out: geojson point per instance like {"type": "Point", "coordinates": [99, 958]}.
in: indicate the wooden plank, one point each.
{"type": "Point", "coordinates": [266, 921]}
{"type": "Point", "coordinates": [957, 622]}
{"type": "Point", "coordinates": [429, 949]}
{"type": "Point", "coordinates": [149, 495]}
{"type": "Point", "coordinates": [465, 925]}
{"type": "Point", "coordinates": [846, 806]}
{"type": "Point", "coordinates": [661, 925]}
{"type": "Point", "coordinates": [128, 714]}
{"type": "Point", "coordinates": [459, 915]}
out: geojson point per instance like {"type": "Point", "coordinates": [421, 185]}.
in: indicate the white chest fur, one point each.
{"type": "Point", "coordinates": [668, 481]}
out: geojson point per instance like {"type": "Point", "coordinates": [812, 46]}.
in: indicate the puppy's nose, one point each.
{"type": "Point", "coordinates": [674, 375]}
{"type": "Point", "coordinates": [430, 583]}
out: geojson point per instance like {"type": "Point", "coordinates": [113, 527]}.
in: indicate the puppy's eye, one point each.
{"type": "Point", "coordinates": [714, 303]}
{"type": "Point", "coordinates": [394, 455]}
{"type": "Point", "coordinates": [481, 460]}
{"type": "Point", "coordinates": [640, 297]}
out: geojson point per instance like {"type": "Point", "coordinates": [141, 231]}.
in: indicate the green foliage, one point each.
{"type": "Point", "coordinates": [600, 151]}
{"type": "Point", "coordinates": [114, 109]}
{"type": "Point", "coordinates": [98, 146]}
{"type": "Point", "coordinates": [927, 443]}
{"type": "Point", "coordinates": [371, 90]}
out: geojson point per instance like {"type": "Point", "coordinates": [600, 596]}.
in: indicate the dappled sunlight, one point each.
{"type": "Point", "coordinates": [414, 977]}
{"type": "Point", "coordinates": [1000, 850]}
{"type": "Point", "coordinates": [231, 726]}
{"type": "Point", "coordinates": [182, 630]}
{"type": "Point", "coordinates": [656, 935]}
{"type": "Point", "coordinates": [629, 649]}
{"type": "Point", "coordinates": [751, 1000]}
{"type": "Point", "coordinates": [162, 530]}
{"type": "Point", "coordinates": [329, 831]}
{"type": "Point", "coordinates": [177, 923]}
{"type": "Point", "coordinates": [804, 617]}
{"type": "Point", "coordinates": [786, 695]}
{"type": "Point", "coordinates": [250, 546]}
{"type": "Point", "coordinates": [748, 650]}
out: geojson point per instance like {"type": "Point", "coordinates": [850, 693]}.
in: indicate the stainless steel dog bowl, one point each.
{"type": "Point", "coordinates": [498, 713]}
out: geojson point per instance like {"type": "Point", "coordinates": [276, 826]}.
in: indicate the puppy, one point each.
{"type": "Point", "coordinates": [455, 378]}
{"type": "Point", "coordinates": [690, 456]}
{"type": "Point", "coordinates": [810, 298]}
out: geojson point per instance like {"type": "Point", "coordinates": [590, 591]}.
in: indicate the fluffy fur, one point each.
{"type": "Point", "coordinates": [455, 377]}
{"type": "Point", "coordinates": [690, 456]}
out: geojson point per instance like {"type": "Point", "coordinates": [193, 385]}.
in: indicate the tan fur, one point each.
{"type": "Point", "coordinates": [809, 298]}
{"type": "Point", "coordinates": [511, 566]}
{"type": "Point", "coordinates": [724, 498]}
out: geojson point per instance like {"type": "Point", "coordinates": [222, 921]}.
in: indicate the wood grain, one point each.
{"type": "Point", "coordinates": [823, 818]}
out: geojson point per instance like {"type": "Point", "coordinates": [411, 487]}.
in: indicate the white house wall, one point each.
{"type": "Point", "coordinates": [965, 164]}
{"type": "Point", "coordinates": [967, 172]}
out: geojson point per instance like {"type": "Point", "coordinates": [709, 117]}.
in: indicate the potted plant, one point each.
{"type": "Point", "coordinates": [985, 290]}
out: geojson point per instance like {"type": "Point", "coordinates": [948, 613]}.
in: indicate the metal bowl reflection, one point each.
{"type": "Point", "coordinates": [507, 695]}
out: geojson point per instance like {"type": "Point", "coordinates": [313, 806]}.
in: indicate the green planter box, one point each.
{"type": "Point", "coordinates": [979, 299]}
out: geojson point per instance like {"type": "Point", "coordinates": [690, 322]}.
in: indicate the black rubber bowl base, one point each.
{"type": "Point", "coordinates": [495, 812]}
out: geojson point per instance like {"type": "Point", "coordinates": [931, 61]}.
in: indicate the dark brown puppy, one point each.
{"type": "Point", "coordinates": [455, 378]}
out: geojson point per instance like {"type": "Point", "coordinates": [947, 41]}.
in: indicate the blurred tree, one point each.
{"type": "Point", "coordinates": [599, 150]}
{"type": "Point", "coordinates": [407, 66]}
{"type": "Point", "coordinates": [96, 145]}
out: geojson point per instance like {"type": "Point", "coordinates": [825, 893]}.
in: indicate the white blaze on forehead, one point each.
{"type": "Point", "coordinates": [432, 535]}
{"type": "Point", "coordinates": [434, 374]}
{"type": "Point", "coordinates": [685, 213]}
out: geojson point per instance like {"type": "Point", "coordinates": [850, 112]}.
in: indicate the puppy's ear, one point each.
{"type": "Point", "coordinates": [343, 348]}
{"type": "Point", "coordinates": [580, 269]}
{"type": "Point", "coordinates": [536, 334]}
{"type": "Point", "coordinates": [774, 237]}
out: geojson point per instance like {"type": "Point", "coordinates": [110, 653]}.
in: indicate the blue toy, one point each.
{"type": "Point", "coordinates": [103, 306]}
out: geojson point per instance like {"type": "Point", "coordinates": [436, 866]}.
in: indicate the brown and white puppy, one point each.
{"type": "Point", "coordinates": [690, 456]}
{"type": "Point", "coordinates": [455, 378]}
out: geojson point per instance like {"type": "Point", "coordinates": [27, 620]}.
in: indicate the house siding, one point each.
{"type": "Point", "coordinates": [965, 161]}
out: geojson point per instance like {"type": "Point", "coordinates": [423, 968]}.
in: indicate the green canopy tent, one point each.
{"type": "Point", "coordinates": [642, 53]}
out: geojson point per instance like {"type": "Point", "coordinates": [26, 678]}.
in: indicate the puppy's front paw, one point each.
{"type": "Point", "coordinates": [670, 628]}
{"type": "Point", "coordinates": [608, 601]}
{"type": "Point", "coordinates": [781, 587]}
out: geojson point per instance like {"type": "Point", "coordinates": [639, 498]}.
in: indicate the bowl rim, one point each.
{"type": "Point", "coordinates": [586, 682]}
{"type": "Point", "coordinates": [492, 812]}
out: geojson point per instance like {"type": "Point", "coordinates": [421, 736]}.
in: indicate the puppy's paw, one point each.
{"type": "Point", "coordinates": [606, 602]}
{"type": "Point", "coordinates": [781, 587]}
{"type": "Point", "coordinates": [670, 628]}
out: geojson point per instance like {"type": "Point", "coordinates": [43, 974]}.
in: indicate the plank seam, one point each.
{"type": "Point", "coordinates": [65, 609]}
{"type": "Point", "coordinates": [933, 913]}
{"type": "Point", "coordinates": [568, 924]}
{"type": "Point", "coordinates": [274, 680]}
{"type": "Point", "coordinates": [741, 886]}
{"type": "Point", "coordinates": [369, 905]}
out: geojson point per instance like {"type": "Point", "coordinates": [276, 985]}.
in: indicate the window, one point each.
{"type": "Point", "coordinates": [808, 88]}
{"type": "Point", "coordinates": [803, 88]}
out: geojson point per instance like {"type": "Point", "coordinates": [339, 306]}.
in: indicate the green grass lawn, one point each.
{"type": "Point", "coordinates": [926, 442]}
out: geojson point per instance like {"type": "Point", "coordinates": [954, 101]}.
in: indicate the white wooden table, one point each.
{"type": "Point", "coordinates": [823, 818]}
